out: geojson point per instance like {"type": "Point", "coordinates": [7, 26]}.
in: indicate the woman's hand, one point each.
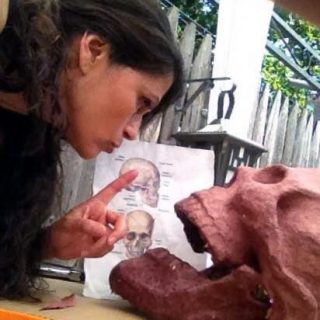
{"type": "Point", "coordinates": [90, 229]}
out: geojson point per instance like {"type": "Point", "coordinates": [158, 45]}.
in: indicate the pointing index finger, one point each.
{"type": "Point", "coordinates": [108, 192]}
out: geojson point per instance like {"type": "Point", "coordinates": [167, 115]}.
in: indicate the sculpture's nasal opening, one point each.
{"type": "Point", "coordinates": [196, 240]}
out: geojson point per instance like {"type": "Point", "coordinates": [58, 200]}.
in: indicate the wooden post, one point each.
{"type": "Point", "coordinates": [271, 133]}
{"type": "Point", "coordinates": [290, 136]}
{"type": "Point", "coordinates": [173, 16]}
{"type": "Point", "coordinates": [261, 116]}
{"type": "Point", "coordinates": [152, 131]}
{"type": "Point", "coordinates": [172, 117]}
{"type": "Point", "coordinates": [200, 69]}
{"type": "Point", "coordinates": [315, 145]}
{"type": "Point", "coordinates": [298, 144]}
{"type": "Point", "coordinates": [306, 145]}
{"type": "Point", "coordinates": [281, 133]}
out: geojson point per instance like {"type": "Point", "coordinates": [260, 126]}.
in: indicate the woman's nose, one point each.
{"type": "Point", "coordinates": [131, 130]}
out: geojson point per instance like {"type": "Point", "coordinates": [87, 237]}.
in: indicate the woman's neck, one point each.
{"type": "Point", "coordinates": [13, 101]}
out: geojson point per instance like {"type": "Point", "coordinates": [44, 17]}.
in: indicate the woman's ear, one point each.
{"type": "Point", "coordinates": [92, 51]}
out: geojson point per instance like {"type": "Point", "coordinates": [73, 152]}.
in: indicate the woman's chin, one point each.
{"type": "Point", "coordinates": [90, 152]}
{"type": "Point", "coordinates": [87, 153]}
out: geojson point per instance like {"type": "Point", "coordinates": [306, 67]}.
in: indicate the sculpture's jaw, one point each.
{"type": "Point", "coordinates": [167, 288]}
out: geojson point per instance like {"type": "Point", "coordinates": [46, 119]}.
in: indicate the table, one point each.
{"type": "Point", "coordinates": [85, 309]}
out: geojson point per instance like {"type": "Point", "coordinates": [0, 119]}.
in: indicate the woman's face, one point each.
{"type": "Point", "coordinates": [105, 102]}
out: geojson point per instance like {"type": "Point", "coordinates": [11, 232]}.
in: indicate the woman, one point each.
{"type": "Point", "coordinates": [87, 71]}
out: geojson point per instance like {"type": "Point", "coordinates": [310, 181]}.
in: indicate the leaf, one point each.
{"type": "Point", "coordinates": [66, 302]}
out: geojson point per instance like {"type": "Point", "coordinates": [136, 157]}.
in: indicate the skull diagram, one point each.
{"type": "Point", "coordinates": [139, 237]}
{"type": "Point", "coordinates": [148, 181]}
{"type": "Point", "coordinates": [262, 231]}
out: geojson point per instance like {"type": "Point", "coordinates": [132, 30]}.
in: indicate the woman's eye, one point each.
{"type": "Point", "coordinates": [144, 105]}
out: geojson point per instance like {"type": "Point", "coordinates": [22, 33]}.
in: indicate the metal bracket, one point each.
{"type": "Point", "coordinates": [222, 95]}
{"type": "Point", "coordinates": [207, 84]}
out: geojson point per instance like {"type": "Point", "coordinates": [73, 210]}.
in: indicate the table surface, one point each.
{"type": "Point", "coordinates": [86, 308]}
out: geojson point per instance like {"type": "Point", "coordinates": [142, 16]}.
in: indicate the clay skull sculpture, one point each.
{"type": "Point", "coordinates": [147, 183]}
{"type": "Point", "coordinates": [262, 230]}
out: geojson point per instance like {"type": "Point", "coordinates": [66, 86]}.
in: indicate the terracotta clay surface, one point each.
{"type": "Point", "coordinates": [262, 228]}
{"type": "Point", "coordinates": [167, 288]}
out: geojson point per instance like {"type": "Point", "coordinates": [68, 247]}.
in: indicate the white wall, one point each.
{"type": "Point", "coordinates": [241, 38]}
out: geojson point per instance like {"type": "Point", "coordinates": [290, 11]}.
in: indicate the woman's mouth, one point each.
{"type": "Point", "coordinates": [110, 146]}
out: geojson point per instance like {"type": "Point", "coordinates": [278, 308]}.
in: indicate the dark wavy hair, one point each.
{"type": "Point", "coordinates": [34, 49]}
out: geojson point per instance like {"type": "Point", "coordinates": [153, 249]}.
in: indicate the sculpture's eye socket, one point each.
{"type": "Point", "coordinates": [291, 200]}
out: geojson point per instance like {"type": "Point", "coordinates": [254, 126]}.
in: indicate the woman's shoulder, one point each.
{"type": "Point", "coordinates": [4, 10]}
